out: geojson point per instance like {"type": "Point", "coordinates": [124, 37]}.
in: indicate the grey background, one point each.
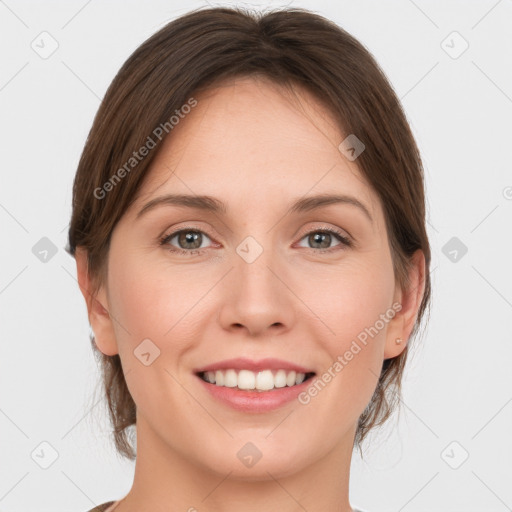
{"type": "Point", "coordinates": [458, 384]}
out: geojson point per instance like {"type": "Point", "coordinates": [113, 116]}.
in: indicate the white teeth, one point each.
{"type": "Point", "coordinates": [280, 379]}
{"type": "Point", "coordinates": [246, 380]}
{"type": "Point", "coordinates": [230, 379]}
{"type": "Point", "coordinates": [264, 380]}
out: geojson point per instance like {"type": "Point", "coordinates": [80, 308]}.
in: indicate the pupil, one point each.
{"type": "Point", "coordinates": [190, 237]}
{"type": "Point", "coordinates": [325, 242]}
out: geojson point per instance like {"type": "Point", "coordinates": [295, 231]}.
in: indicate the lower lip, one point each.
{"type": "Point", "coordinates": [255, 401]}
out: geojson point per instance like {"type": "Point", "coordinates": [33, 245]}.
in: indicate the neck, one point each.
{"type": "Point", "coordinates": [166, 479]}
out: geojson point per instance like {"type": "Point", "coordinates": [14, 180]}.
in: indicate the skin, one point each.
{"type": "Point", "coordinates": [258, 148]}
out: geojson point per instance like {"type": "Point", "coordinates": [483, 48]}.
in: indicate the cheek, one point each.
{"type": "Point", "coordinates": [352, 302]}
{"type": "Point", "coordinates": [133, 297]}
{"type": "Point", "coordinates": [161, 300]}
{"type": "Point", "coordinates": [156, 301]}
{"type": "Point", "coordinates": [351, 297]}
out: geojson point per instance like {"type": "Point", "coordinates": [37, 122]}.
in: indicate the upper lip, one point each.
{"type": "Point", "coordinates": [243, 363]}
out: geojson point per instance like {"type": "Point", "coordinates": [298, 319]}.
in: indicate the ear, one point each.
{"type": "Point", "coordinates": [97, 306]}
{"type": "Point", "coordinates": [410, 300]}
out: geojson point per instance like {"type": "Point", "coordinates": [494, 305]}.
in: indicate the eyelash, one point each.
{"type": "Point", "coordinates": [343, 239]}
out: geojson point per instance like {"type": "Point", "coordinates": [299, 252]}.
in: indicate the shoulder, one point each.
{"type": "Point", "coordinates": [103, 507]}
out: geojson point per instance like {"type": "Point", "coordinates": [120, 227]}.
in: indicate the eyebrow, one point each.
{"type": "Point", "coordinates": [214, 205]}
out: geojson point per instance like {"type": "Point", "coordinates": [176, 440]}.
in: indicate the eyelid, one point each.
{"type": "Point", "coordinates": [186, 226]}
{"type": "Point", "coordinates": [344, 238]}
{"type": "Point", "coordinates": [328, 228]}
{"type": "Point", "coordinates": [169, 235]}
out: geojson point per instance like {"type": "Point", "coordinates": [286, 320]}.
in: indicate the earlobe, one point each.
{"type": "Point", "coordinates": [97, 306]}
{"type": "Point", "coordinates": [401, 326]}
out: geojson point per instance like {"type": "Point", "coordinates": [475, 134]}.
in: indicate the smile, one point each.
{"type": "Point", "coordinates": [264, 380]}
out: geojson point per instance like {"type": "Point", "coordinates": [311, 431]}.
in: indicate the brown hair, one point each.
{"type": "Point", "coordinates": [289, 46]}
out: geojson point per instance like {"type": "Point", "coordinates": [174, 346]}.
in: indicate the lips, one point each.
{"type": "Point", "coordinates": [254, 386]}
{"type": "Point", "coordinates": [242, 363]}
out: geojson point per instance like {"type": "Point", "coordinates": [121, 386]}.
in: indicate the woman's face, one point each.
{"type": "Point", "coordinates": [254, 279]}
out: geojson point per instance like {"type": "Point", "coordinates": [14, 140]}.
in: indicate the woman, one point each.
{"type": "Point", "coordinates": [249, 231]}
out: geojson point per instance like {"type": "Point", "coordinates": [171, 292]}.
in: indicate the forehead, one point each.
{"type": "Point", "coordinates": [250, 137]}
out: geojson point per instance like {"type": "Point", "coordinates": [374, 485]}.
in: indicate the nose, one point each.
{"type": "Point", "coordinates": [256, 297]}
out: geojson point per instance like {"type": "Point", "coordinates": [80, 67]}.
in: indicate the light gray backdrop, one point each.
{"type": "Point", "coordinates": [451, 449]}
